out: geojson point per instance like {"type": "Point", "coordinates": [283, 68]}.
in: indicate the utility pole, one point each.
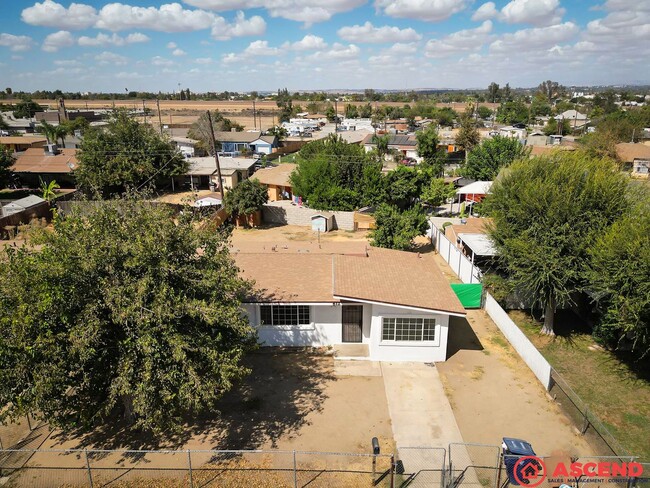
{"type": "Point", "coordinates": [255, 116]}
{"type": "Point", "coordinates": [216, 155]}
{"type": "Point", "coordinates": [144, 112]}
{"type": "Point", "coordinates": [159, 117]}
{"type": "Point", "coordinates": [336, 115]}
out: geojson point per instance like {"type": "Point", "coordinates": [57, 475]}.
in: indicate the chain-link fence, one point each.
{"type": "Point", "coordinates": [421, 467]}
{"type": "Point", "coordinates": [582, 416]}
{"type": "Point", "coordinates": [473, 465]}
{"type": "Point", "coordinates": [228, 469]}
{"type": "Point", "coordinates": [17, 434]}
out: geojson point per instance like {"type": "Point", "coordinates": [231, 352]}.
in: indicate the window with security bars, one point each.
{"type": "Point", "coordinates": [408, 329]}
{"type": "Point", "coordinates": [284, 315]}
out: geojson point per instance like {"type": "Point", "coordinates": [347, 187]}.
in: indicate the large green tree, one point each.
{"type": "Point", "coordinates": [26, 109]}
{"type": "Point", "coordinates": [6, 162]}
{"type": "Point", "coordinates": [396, 229]}
{"type": "Point", "coordinates": [468, 136]}
{"type": "Point", "coordinates": [332, 174]}
{"type": "Point", "coordinates": [200, 130]}
{"type": "Point", "coordinates": [513, 112]}
{"type": "Point", "coordinates": [546, 212]}
{"type": "Point", "coordinates": [125, 154]}
{"type": "Point", "coordinates": [124, 311]}
{"type": "Point", "coordinates": [437, 192]}
{"type": "Point", "coordinates": [246, 198]}
{"type": "Point", "coordinates": [618, 277]}
{"type": "Point", "coordinates": [487, 159]}
{"type": "Point", "coordinates": [428, 141]}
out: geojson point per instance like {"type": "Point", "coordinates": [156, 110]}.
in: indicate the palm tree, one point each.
{"type": "Point", "coordinates": [54, 132]}
{"type": "Point", "coordinates": [382, 146]}
{"type": "Point", "coordinates": [49, 189]}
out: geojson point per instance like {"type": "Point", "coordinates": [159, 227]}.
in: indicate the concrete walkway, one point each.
{"type": "Point", "coordinates": [418, 406]}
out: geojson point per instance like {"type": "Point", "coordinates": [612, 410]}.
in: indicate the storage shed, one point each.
{"type": "Point", "coordinates": [323, 222]}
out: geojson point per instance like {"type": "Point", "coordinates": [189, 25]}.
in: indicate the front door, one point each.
{"type": "Point", "coordinates": [352, 319]}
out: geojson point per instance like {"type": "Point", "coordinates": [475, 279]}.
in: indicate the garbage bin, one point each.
{"type": "Point", "coordinates": [520, 474]}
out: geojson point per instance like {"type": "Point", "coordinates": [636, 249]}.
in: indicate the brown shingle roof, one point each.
{"type": "Point", "coordinates": [237, 136]}
{"type": "Point", "coordinates": [395, 277]}
{"type": "Point", "coordinates": [331, 272]}
{"type": "Point", "coordinates": [35, 160]}
{"type": "Point", "coordinates": [277, 175]}
{"type": "Point", "coordinates": [22, 140]}
{"type": "Point", "coordinates": [628, 151]}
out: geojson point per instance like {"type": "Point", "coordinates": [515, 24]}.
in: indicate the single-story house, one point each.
{"type": "Point", "coordinates": [393, 305]}
{"type": "Point", "coordinates": [472, 239]}
{"type": "Point", "coordinates": [636, 156]}
{"type": "Point", "coordinates": [537, 138]}
{"type": "Point", "coordinates": [575, 118]}
{"type": "Point", "coordinates": [47, 163]}
{"type": "Point", "coordinates": [235, 143]}
{"type": "Point", "coordinates": [185, 145]}
{"type": "Point", "coordinates": [512, 131]}
{"type": "Point", "coordinates": [276, 180]}
{"type": "Point", "coordinates": [474, 192]}
{"type": "Point", "coordinates": [407, 146]}
{"type": "Point", "coordinates": [202, 172]}
{"type": "Point", "coordinates": [22, 143]}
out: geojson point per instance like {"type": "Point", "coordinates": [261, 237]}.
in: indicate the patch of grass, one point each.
{"type": "Point", "coordinates": [477, 373]}
{"type": "Point", "coordinates": [615, 393]}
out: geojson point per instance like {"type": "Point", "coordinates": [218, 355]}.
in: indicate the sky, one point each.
{"type": "Point", "coordinates": [263, 45]}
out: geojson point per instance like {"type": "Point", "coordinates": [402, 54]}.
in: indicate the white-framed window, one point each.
{"type": "Point", "coordinates": [285, 315]}
{"type": "Point", "coordinates": [408, 329]}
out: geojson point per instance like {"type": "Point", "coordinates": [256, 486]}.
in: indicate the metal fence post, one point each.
{"type": "Point", "coordinates": [585, 424]}
{"type": "Point", "coordinates": [29, 422]}
{"type": "Point", "coordinates": [374, 468]}
{"type": "Point", "coordinates": [189, 465]}
{"type": "Point", "coordinates": [392, 471]}
{"type": "Point", "coordinates": [295, 470]}
{"type": "Point", "coordinates": [90, 474]}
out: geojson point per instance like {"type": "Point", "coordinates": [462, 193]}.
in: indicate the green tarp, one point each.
{"type": "Point", "coordinates": [469, 295]}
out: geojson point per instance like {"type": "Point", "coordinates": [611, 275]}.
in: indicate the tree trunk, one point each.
{"type": "Point", "coordinates": [549, 317]}
{"type": "Point", "coordinates": [129, 414]}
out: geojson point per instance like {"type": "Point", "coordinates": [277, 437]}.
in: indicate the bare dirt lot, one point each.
{"type": "Point", "coordinates": [289, 233]}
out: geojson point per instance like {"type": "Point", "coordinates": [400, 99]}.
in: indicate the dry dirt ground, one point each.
{"type": "Point", "coordinates": [494, 394]}
{"type": "Point", "coordinates": [288, 233]}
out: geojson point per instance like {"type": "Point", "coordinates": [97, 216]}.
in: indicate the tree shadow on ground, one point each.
{"type": "Point", "coordinates": [285, 385]}
{"type": "Point", "coordinates": [461, 337]}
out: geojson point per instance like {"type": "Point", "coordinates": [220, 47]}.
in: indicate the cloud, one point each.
{"type": "Point", "coordinates": [104, 40]}
{"type": "Point", "coordinates": [535, 12]}
{"type": "Point", "coordinates": [67, 62]}
{"type": "Point", "coordinates": [52, 14]}
{"type": "Point", "coordinates": [178, 52]}
{"type": "Point", "coordinates": [337, 52]}
{"type": "Point", "coordinates": [57, 40]}
{"type": "Point", "coordinates": [222, 30]}
{"type": "Point", "coordinates": [203, 60]}
{"type": "Point", "coordinates": [307, 43]}
{"type": "Point", "coordinates": [160, 61]}
{"type": "Point", "coordinates": [371, 34]}
{"type": "Point", "coordinates": [261, 48]}
{"type": "Point", "coordinates": [307, 11]}
{"type": "Point", "coordinates": [539, 38]}
{"type": "Point", "coordinates": [111, 58]}
{"type": "Point", "coordinates": [485, 12]}
{"type": "Point", "coordinates": [403, 48]}
{"type": "Point", "coordinates": [171, 17]}
{"type": "Point", "coordinates": [16, 43]}
{"type": "Point", "coordinates": [172, 45]}
{"type": "Point", "coordinates": [461, 42]}
{"type": "Point", "coordinates": [428, 10]}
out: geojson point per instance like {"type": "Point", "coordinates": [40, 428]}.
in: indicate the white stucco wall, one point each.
{"type": "Point", "coordinates": [326, 329]}
{"type": "Point", "coordinates": [434, 351]}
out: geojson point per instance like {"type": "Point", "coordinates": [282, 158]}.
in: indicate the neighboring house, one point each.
{"type": "Point", "coordinates": [22, 143]}
{"type": "Point", "coordinates": [22, 126]}
{"type": "Point", "coordinates": [21, 205]}
{"type": "Point", "coordinates": [407, 146]}
{"type": "Point", "coordinates": [537, 138]}
{"type": "Point", "coordinates": [390, 305]}
{"type": "Point", "coordinates": [474, 192]}
{"type": "Point", "coordinates": [575, 118]}
{"type": "Point", "coordinates": [186, 146]}
{"type": "Point", "coordinates": [47, 163]}
{"type": "Point", "coordinates": [235, 143]}
{"type": "Point", "coordinates": [511, 131]}
{"type": "Point", "coordinates": [202, 172]}
{"type": "Point", "coordinates": [471, 238]}
{"type": "Point", "coordinates": [635, 156]}
{"type": "Point", "coordinates": [276, 180]}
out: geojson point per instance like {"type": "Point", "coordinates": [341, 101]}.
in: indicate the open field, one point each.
{"type": "Point", "coordinates": [619, 396]}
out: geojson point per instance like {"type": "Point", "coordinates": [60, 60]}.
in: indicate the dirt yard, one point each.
{"type": "Point", "coordinates": [494, 394]}
{"type": "Point", "coordinates": [289, 233]}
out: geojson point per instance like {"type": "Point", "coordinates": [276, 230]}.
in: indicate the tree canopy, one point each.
{"type": "Point", "coordinates": [396, 229]}
{"type": "Point", "coordinates": [246, 198]}
{"type": "Point", "coordinates": [26, 108]}
{"type": "Point", "coordinates": [546, 212]}
{"type": "Point", "coordinates": [123, 311]}
{"type": "Point", "coordinates": [200, 130]}
{"type": "Point", "coordinates": [335, 175]}
{"type": "Point", "coordinates": [618, 277]}
{"type": "Point", "coordinates": [513, 112]}
{"type": "Point", "coordinates": [6, 162]}
{"type": "Point", "coordinates": [125, 154]}
{"type": "Point", "coordinates": [486, 160]}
